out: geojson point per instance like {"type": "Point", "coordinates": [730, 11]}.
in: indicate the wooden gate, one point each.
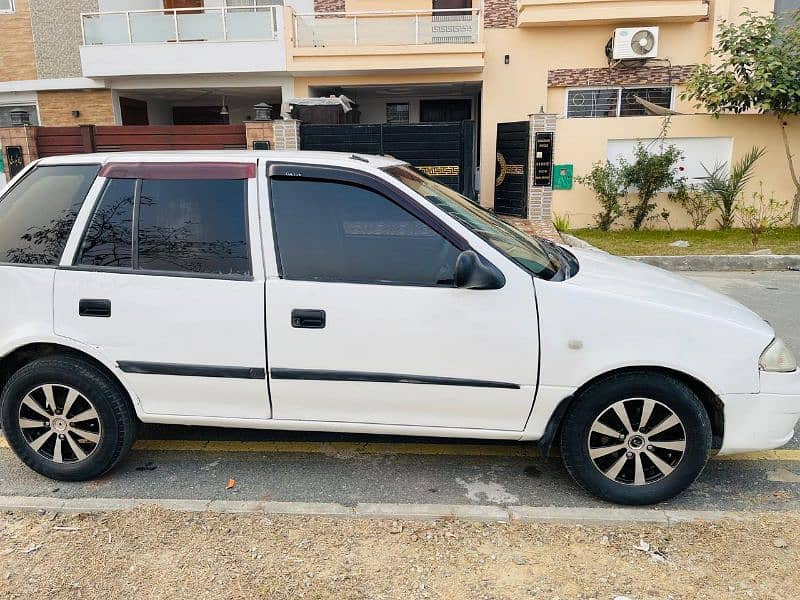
{"type": "Point", "coordinates": [444, 151]}
{"type": "Point", "coordinates": [511, 171]}
{"type": "Point", "coordinates": [55, 141]}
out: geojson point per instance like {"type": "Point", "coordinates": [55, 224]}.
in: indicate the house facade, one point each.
{"type": "Point", "coordinates": [548, 86]}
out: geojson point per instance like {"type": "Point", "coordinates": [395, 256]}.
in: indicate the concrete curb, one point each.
{"type": "Point", "coordinates": [722, 262]}
{"type": "Point", "coordinates": [411, 512]}
{"type": "Point", "coordinates": [706, 262]}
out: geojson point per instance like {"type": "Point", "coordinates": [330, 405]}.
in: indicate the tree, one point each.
{"type": "Point", "coordinates": [649, 174]}
{"type": "Point", "coordinates": [756, 66]}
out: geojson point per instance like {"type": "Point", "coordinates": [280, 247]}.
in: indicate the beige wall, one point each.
{"type": "Point", "coordinates": [512, 92]}
{"type": "Point", "coordinates": [17, 57]}
{"type": "Point", "coordinates": [583, 141]}
{"type": "Point", "coordinates": [95, 106]}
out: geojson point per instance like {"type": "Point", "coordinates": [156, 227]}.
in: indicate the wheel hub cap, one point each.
{"type": "Point", "coordinates": [59, 423]}
{"type": "Point", "coordinates": [637, 441]}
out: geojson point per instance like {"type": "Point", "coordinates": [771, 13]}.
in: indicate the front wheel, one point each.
{"type": "Point", "coordinates": [66, 419]}
{"type": "Point", "coordinates": [636, 438]}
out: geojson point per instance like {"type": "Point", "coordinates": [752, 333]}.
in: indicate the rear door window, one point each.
{"type": "Point", "coordinates": [109, 240]}
{"type": "Point", "coordinates": [193, 226]}
{"type": "Point", "coordinates": [180, 226]}
{"type": "Point", "coordinates": [37, 214]}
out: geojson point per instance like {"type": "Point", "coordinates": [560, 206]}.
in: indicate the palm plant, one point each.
{"type": "Point", "coordinates": [726, 185]}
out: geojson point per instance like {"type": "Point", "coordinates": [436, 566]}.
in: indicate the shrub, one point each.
{"type": "Point", "coordinates": [561, 223]}
{"type": "Point", "coordinates": [649, 174]}
{"type": "Point", "coordinates": [697, 203]}
{"type": "Point", "coordinates": [605, 180]}
{"type": "Point", "coordinates": [726, 185]}
{"type": "Point", "coordinates": [764, 213]}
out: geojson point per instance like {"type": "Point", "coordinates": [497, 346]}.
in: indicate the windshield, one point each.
{"type": "Point", "coordinates": [532, 254]}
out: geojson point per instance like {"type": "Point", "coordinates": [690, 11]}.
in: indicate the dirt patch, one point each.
{"type": "Point", "coordinates": [153, 553]}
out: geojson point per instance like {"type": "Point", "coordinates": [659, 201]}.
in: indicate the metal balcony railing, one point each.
{"type": "Point", "coordinates": [387, 28]}
{"type": "Point", "coordinates": [223, 24]}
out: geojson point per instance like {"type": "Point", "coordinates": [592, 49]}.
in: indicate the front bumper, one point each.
{"type": "Point", "coordinates": [765, 420]}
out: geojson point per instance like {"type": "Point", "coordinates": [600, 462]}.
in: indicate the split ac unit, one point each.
{"type": "Point", "coordinates": [635, 42]}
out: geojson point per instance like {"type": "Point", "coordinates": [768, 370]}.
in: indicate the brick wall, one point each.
{"type": "Point", "coordinates": [329, 5]}
{"type": "Point", "coordinates": [260, 131]}
{"type": "Point", "coordinates": [499, 13]}
{"type": "Point", "coordinates": [17, 58]}
{"type": "Point", "coordinates": [619, 75]}
{"type": "Point", "coordinates": [95, 106]}
{"type": "Point", "coordinates": [57, 36]}
{"type": "Point", "coordinates": [287, 134]}
{"type": "Point", "coordinates": [25, 137]}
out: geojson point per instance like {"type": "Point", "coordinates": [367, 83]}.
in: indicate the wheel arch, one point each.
{"type": "Point", "coordinates": [710, 400]}
{"type": "Point", "coordinates": [22, 355]}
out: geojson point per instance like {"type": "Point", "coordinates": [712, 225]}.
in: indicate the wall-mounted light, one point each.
{"type": "Point", "coordinates": [76, 113]}
{"type": "Point", "coordinates": [507, 59]}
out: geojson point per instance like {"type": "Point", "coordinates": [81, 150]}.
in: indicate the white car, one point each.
{"type": "Point", "coordinates": [327, 292]}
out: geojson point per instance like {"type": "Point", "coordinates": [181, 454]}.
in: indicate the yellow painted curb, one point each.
{"type": "Point", "coordinates": [388, 448]}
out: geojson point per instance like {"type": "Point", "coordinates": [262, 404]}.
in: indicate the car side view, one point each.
{"type": "Point", "coordinates": [344, 293]}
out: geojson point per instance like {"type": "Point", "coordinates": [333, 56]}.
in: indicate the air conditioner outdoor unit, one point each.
{"type": "Point", "coordinates": [635, 42]}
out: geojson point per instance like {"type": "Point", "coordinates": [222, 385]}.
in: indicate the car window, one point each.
{"type": "Point", "coordinates": [330, 231]}
{"type": "Point", "coordinates": [37, 214]}
{"type": "Point", "coordinates": [193, 226]}
{"type": "Point", "coordinates": [109, 239]}
{"type": "Point", "coordinates": [527, 251]}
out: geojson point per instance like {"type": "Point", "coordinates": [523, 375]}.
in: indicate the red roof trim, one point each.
{"type": "Point", "coordinates": [179, 170]}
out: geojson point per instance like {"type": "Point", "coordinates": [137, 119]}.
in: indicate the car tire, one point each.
{"type": "Point", "coordinates": [658, 453]}
{"type": "Point", "coordinates": [67, 419]}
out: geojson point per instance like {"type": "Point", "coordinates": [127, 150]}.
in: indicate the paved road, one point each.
{"type": "Point", "coordinates": [350, 469]}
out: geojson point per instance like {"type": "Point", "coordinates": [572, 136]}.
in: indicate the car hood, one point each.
{"type": "Point", "coordinates": [633, 281]}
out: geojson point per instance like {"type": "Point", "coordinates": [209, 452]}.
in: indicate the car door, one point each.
{"type": "Point", "coordinates": [160, 275]}
{"type": "Point", "coordinates": [365, 324]}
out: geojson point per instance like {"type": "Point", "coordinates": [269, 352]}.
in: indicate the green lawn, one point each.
{"type": "Point", "coordinates": [657, 242]}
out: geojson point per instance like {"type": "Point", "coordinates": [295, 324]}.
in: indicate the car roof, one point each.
{"type": "Point", "coordinates": [349, 159]}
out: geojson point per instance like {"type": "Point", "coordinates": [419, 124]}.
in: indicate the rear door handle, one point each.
{"type": "Point", "coordinates": [303, 318]}
{"type": "Point", "coordinates": [94, 308]}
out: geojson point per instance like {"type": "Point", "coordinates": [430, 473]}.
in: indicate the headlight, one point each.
{"type": "Point", "coordinates": [777, 358]}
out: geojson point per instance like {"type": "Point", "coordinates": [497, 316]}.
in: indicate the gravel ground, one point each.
{"type": "Point", "coordinates": [153, 553]}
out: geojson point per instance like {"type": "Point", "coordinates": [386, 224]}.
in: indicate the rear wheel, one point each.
{"type": "Point", "coordinates": [636, 438]}
{"type": "Point", "coordinates": [67, 419]}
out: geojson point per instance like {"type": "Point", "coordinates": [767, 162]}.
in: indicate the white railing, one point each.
{"type": "Point", "coordinates": [387, 28]}
{"type": "Point", "coordinates": [234, 24]}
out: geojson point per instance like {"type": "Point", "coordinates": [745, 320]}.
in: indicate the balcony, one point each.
{"type": "Point", "coordinates": [440, 40]}
{"type": "Point", "coordinates": [547, 13]}
{"type": "Point", "coordinates": [183, 41]}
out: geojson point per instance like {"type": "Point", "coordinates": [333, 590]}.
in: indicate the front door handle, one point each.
{"type": "Point", "coordinates": [303, 318]}
{"type": "Point", "coordinates": [94, 308]}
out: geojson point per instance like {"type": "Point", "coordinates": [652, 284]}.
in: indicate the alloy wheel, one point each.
{"type": "Point", "coordinates": [637, 441]}
{"type": "Point", "coordinates": [59, 423]}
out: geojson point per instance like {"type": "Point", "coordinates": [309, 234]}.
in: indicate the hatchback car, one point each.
{"type": "Point", "coordinates": [327, 292]}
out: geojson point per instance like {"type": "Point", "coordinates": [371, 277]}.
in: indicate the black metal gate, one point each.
{"type": "Point", "coordinates": [511, 171]}
{"type": "Point", "coordinates": [444, 151]}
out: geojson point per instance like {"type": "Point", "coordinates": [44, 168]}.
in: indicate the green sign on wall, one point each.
{"type": "Point", "coordinates": [562, 177]}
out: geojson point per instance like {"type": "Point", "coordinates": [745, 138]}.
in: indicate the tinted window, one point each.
{"type": "Point", "coordinates": [193, 226]}
{"type": "Point", "coordinates": [338, 232]}
{"type": "Point", "coordinates": [108, 239]}
{"type": "Point", "coordinates": [37, 214]}
{"type": "Point", "coordinates": [525, 250]}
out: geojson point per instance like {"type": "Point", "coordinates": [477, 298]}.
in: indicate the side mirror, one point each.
{"type": "Point", "coordinates": [474, 273]}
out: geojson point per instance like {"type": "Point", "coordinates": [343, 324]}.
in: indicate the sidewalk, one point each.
{"type": "Point", "coordinates": [154, 553]}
